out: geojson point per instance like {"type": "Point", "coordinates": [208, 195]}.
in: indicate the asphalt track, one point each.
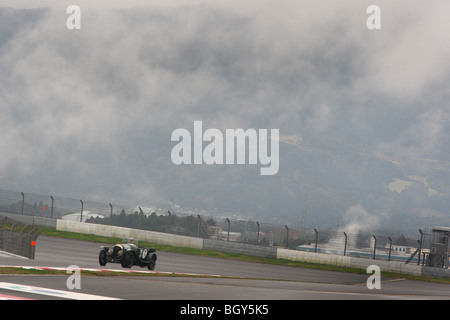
{"type": "Point", "coordinates": [250, 282]}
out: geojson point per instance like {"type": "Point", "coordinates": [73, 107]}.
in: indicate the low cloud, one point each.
{"type": "Point", "coordinates": [79, 106]}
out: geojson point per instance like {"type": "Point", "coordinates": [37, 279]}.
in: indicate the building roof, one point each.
{"type": "Point", "coordinates": [401, 241]}
{"type": "Point", "coordinates": [441, 229]}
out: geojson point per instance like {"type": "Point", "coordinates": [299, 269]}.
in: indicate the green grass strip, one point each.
{"type": "Point", "coordinates": [232, 256]}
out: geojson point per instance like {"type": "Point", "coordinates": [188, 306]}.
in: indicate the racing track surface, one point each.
{"type": "Point", "coordinates": [258, 283]}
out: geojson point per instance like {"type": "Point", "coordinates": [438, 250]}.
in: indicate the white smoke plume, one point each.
{"type": "Point", "coordinates": [357, 220]}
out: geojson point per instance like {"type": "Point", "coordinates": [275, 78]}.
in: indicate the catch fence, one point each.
{"type": "Point", "coordinates": [18, 238]}
{"type": "Point", "coordinates": [382, 247]}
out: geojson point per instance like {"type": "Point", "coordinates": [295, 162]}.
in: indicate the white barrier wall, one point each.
{"type": "Point", "coordinates": [242, 248]}
{"type": "Point", "coordinates": [121, 232]}
{"type": "Point", "coordinates": [199, 243]}
{"type": "Point", "coordinates": [388, 266]}
{"type": "Point", "coordinates": [280, 253]}
{"type": "Point", "coordinates": [358, 263]}
{"type": "Point", "coordinates": [313, 257]}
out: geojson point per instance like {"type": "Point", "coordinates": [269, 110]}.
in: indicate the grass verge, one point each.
{"type": "Point", "coordinates": [214, 254]}
{"type": "Point", "coordinates": [108, 273]}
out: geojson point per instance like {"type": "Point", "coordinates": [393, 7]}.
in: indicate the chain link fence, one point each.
{"type": "Point", "coordinates": [383, 247]}
{"type": "Point", "coordinates": [17, 238]}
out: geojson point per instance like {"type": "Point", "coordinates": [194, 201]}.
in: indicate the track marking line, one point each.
{"type": "Point", "coordinates": [8, 297]}
{"type": "Point", "coordinates": [52, 292]}
{"type": "Point", "coordinates": [113, 270]}
{"type": "Point", "coordinates": [382, 281]}
{"type": "Point", "coordinates": [6, 254]}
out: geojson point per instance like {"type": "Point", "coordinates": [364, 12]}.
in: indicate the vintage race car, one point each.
{"type": "Point", "coordinates": [128, 255]}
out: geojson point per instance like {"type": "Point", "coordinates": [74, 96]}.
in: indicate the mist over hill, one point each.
{"type": "Point", "coordinates": [363, 115]}
{"type": "Point", "coordinates": [329, 176]}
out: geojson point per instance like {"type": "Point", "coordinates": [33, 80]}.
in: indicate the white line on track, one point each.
{"type": "Point", "coordinates": [8, 297]}
{"type": "Point", "coordinates": [71, 294]}
{"type": "Point", "coordinates": [52, 292]}
{"type": "Point", "coordinates": [5, 254]}
{"type": "Point", "coordinates": [111, 270]}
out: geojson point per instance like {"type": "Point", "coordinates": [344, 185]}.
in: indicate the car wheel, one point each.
{"type": "Point", "coordinates": [128, 260]}
{"type": "Point", "coordinates": [102, 258]}
{"type": "Point", "coordinates": [152, 264]}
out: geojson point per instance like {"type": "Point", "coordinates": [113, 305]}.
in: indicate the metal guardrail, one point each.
{"type": "Point", "coordinates": [18, 238]}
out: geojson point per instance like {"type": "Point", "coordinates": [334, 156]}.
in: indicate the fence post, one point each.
{"type": "Point", "coordinates": [81, 214]}
{"type": "Point", "coordinates": [317, 238]}
{"type": "Point", "coordinates": [23, 200]}
{"type": "Point", "coordinates": [1, 232]}
{"type": "Point", "coordinates": [32, 237]}
{"type": "Point", "coordinates": [390, 248]}
{"type": "Point", "coordinates": [198, 226]}
{"type": "Point", "coordinates": [170, 219]}
{"type": "Point", "coordinates": [287, 236]}
{"type": "Point", "coordinates": [51, 212]}
{"type": "Point", "coordinates": [110, 217]}
{"type": "Point", "coordinates": [345, 244]}
{"type": "Point", "coordinates": [141, 214]}
{"type": "Point", "coordinates": [257, 235]}
{"type": "Point", "coordinates": [420, 246]}
{"type": "Point", "coordinates": [374, 246]}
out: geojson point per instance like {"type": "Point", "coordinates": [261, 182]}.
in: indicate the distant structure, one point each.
{"type": "Point", "coordinates": [439, 252]}
{"type": "Point", "coordinates": [400, 246]}
{"type": "Point", "coordinates": [218, 234]}
{"type": "Point", "coordinates": [148, 211]}
{"type": "Point", "coordinates": [82, 218]}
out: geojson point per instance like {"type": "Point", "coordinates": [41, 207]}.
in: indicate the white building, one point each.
{"type": "Point", "coordinates": [401, 246]}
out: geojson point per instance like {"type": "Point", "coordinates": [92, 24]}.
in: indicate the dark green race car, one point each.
{"type": "Point", "coordinates": [128, 255]}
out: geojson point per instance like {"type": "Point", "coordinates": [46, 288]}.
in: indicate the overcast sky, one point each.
{"type": "Point", "coordinates": [75, 103]}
